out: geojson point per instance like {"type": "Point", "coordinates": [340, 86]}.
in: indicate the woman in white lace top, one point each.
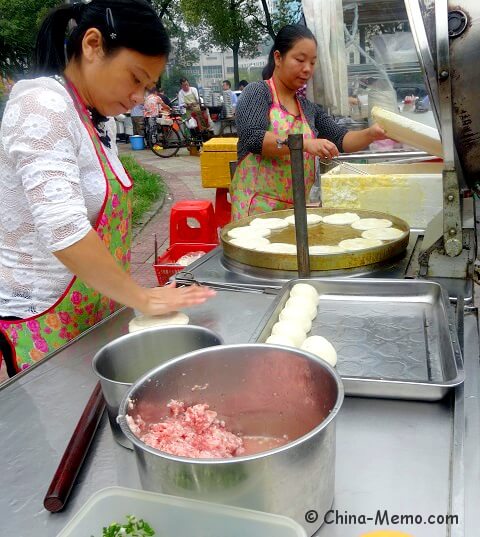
{"type": "Point", "coordinates": [65, 197]}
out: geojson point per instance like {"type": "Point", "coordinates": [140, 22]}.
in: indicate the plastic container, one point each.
{"type": "Point", "coordinates": [166, 265]}
{"type": "Point", "coordinates": [137, 142]}
{"type": "Point", "coordinates": [215, 162]}
{"type": "Point", "coordinates": [170, 516]}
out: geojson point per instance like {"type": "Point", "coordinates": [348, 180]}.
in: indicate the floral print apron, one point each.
{"type": "Point", "coordinates": [263, 184]}
{"type": "Point", "coordinates": [80, 306]}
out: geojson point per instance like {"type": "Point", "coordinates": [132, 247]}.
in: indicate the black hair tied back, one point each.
{"type": "Point", "coordinates": [131, 24]}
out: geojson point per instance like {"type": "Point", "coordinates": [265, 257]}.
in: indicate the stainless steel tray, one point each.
{"type": "Point", "coordinates": [394, 338]}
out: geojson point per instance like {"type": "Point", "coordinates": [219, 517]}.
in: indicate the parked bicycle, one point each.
{"type": "Point", "coordinates": [171, 133]}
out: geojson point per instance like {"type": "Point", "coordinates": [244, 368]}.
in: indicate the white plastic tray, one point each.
{"type": "Point", "coordinates": [170, 516]}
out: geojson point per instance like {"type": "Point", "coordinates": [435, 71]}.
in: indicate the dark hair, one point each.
{"type": "Point", "coordinates": [182, 80]}
{"type": "Point", "coordinates": [131, 24]}
{"type": "Point", "coordinates": [228, 83]}
{"type": "Point", "coordinates": [285, 41]}
{"type": "Point", "coordinates": [242, 83]}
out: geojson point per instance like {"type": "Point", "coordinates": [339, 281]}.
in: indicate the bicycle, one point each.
{"type": "Point", "coordinates": [171, 134]}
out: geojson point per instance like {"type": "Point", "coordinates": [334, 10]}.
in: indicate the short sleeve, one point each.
{"type": "Point", "coordinates": [40, 137]}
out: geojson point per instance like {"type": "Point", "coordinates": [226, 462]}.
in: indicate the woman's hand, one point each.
{"type": "Point", "coordinates": [377, 133]}
{"type": "Point", "coordinates": [320, 147]}
{"type": "Point", "coordinates": [160, 300]}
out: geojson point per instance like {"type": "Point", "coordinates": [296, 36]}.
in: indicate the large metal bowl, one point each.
{"type": "Point", "coordinates": [124, 360]}
{"type": "Point", "coordinates": [257, 389]}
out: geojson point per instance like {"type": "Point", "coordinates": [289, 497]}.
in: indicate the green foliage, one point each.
{"type": "Point", "coordinates": [134, 527]}
{"type": "Point", "coordinates": [147, 187]}
{"type": "Point", "coordinates": [19, 23]}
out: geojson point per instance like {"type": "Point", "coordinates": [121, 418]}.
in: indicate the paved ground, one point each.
{"type": "Point", "coordinates": [182, 176]}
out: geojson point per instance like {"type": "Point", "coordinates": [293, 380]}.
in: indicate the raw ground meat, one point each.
{"type": "Point", "coordinates": [191, 431]}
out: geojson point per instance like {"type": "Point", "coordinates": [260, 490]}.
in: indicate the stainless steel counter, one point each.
{"type": "Point", "coordinates": [391, 455]}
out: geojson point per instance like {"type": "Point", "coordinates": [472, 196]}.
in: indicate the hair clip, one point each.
{"type": "Point", "coordinates": [110, 23]}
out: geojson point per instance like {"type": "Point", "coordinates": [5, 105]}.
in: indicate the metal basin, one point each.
{"type": "Point", "coordinates": [124, 360]}
{"type": "Point", "coordinates": [259, 390]}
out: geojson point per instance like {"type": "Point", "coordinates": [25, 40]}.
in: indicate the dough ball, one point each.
{"type": "Point", "coordinates": [280, 248]}
{"type": "Point", "coordinates": [386, 234]}
{"type": "Point", "coordinates": [371, 223]}
{"type": "Point", "coordinates": [305, 290]}
{"type": "Point", "coordinates": [141, 322]}
{"type": "Point", "coordinates": [292, 315]}
{"type": "Point", "coordinates": [293, 331]}
{"type": "Point", "coordinates": [323, 249]}
{"type": "Point", "coordinates": [248, 231]}
{"type": "Point", "coordinates": [253, 243]}
{"type": "Point", "coordinates": [321, 347]}
{"type": "Point", "coordinates": [303, 305]}
{"type": "Point", "coordinates": [352, 245]}
{"type": "Point", "coordinates": [312, 219]}
{"type": "Point", "coordinates": [341, 219]}
{"type": "Point", "coordinates": [278, 339]}
{"type": "Point", "coordinates": [269, 223]}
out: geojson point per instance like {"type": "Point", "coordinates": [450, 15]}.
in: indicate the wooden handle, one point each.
{"type": "Point", "coordinates": [72, 460]}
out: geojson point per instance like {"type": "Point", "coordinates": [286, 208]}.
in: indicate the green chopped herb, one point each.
{"type": "Point", "coordinates": [134, 528]}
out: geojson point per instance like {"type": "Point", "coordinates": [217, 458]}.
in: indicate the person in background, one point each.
{"type": "Point", "coordinates": [191, 105]}
{"type": "Point", "coordinates": [227, 88]}
{"type": "Point", "coordinates": [65, 225]}
{"type": "Point", "coordinates": [137, 119]}
{"type": "Point", "coordinates": [268, 112]}
{"type": "Point", "coordinates": [152, 109]}
{"type": "Point", "coordinates": [167, 102]}
{"type": "Point", "coordinates": [242, 85]}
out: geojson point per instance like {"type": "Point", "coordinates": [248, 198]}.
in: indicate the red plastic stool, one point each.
{"type": "Point", "coordinates": [200, 210]}
{"type": "Point", "coordinates": [223, 208]}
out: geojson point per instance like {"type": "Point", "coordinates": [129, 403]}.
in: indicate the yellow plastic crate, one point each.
{"type": "Point", "coordinates": [214, 162]}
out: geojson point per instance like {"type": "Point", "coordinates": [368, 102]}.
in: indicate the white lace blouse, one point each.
{"type": "Point", "coordinates": [51, 190]}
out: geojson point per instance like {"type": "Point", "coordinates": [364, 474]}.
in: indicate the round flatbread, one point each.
{"type": "Point", "coordinates": [352, 245]}
{"type": "Point", "coordinates": [248, 231]}
{"type": "Point", "coordinates": [371, 223]}
{"type": "Point", "coordinates": [269, 223]}
{"type": "Point", "coordinates": [341, 219]}
{"type": "Point", "coordinates": [280, 248]}
{"type": "Point", "coordinates": [323, 249]}
{"type": "Point", "coordinates": [386, 234]}
{"type": "Point", "coordinates": [250, 243]}
{"type": "Point", "coordinates": [142, 322]}
{"type": "Point", "coordinates": [312, 219]}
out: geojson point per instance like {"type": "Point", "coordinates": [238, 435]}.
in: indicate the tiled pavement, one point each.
{"type": "Point", "coordinates": [182, 177]}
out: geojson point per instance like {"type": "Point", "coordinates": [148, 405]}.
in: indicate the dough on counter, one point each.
{"type": "Point", "coordinates": [280, 248]}
{"type": "Point", "coordinates": [248, 231]}
{"type": "Point", "coordinates": [279, 339]}
{"type": "Point", "coordinates": [304, 306]}
{"type": "Point", "coordinates": [386, 234]}
{"type": "Point", "coordinates": [341, 219]}
{"type": "Point", "coordinates": [312, 219]}
{"type": "Point", "coordinates": [269, 223]}
{"type": "Point", "coordinates": [250, 243]}
{"type": "Point", "coordinates": [292, 315]}
{"type": "Point", "coordinates": [321, 347]}
{"type": "Point", "coordinates": [371, 223]}
{"type": "Point", "coordinates": [142, 322]}
{"type": "Point", "coordinates": [352, 245]}
{"type": "Point", "coordinates": [322, 249]}
{"type": "Point", "coordinates": [305, 290]}
{"type": "Point", "coordinates": [293, 331]}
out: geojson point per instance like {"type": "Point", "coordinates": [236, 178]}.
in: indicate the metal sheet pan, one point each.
{"type": "Point", "coordinates": [394, 338]}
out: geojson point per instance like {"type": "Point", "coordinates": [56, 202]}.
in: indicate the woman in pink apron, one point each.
{"type": "Point", "coordinates": [271, 110]}
{"type": "Point", "coordinates": [65, 208]}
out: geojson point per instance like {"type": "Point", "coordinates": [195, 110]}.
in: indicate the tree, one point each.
{"type": "Point", "coordinates": [225, 24]}
{"type": "Point", "coordinates": [286, 12]}
{"type": "Point", "coordinates": [19, 23]}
